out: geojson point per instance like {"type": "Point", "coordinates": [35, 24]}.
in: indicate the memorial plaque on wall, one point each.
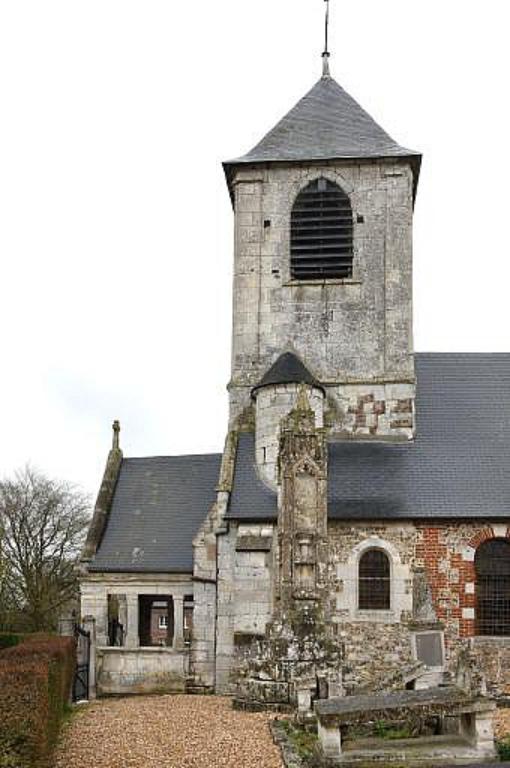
{"type": "Point", "coordinates": [429, 648]}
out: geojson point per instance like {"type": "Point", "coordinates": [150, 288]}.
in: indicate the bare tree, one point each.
{"type": "Point", "coordinates": [4, 594]}
{"type": "Point", "coordinates": [43, 523]}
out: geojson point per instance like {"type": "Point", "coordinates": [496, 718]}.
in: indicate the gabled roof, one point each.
{"type": "Point", "coordinates": [159, 504]}
{"type": "Point", "coordinates": [457, 467]}
{"type": "Point", "coordinates": [288, 369]}
{"type": "Point", "coordinates": [326, 124]}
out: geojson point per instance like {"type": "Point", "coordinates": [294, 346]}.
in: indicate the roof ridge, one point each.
{"type": "Point", "coordinates": [173, 456]}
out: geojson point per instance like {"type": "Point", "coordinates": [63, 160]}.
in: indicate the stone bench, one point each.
{"type": "Point", "coordinates": [474, 740]}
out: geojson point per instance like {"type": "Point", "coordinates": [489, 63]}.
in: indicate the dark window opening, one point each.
{"type": "Point", "coordinates": [321, 233]}
{"type": "Point", "coordinates": [155, 620]}
{"type": "Point", "coordinates": [374, 581]}
{"type": "Point", "coordinates": [492, 567]}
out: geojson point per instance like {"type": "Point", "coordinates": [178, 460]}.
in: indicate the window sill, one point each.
{"type": "Point", "coordinates": [375, 616]}
{"type": "Point", "coordinates": [143, 648]}
{"type": "Point", "coordinates": [345, 281]}
{"type": "Point", "coordinates": [496, 639]}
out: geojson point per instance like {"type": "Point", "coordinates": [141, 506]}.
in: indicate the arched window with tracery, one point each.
{"type": "Point", "coordinates": [321, 233]}
{"type": "Point", "coordinates": [492, 567]}
{"type": "Point", "coordinates": [374, 581]}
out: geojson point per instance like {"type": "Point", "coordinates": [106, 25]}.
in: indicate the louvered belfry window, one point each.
{"type": "Point", "coordinates": [492, 566]}
{"type": "Point", "coordinates": [374, 581]}
{"type": "Point", "coordinates": [321, 233]}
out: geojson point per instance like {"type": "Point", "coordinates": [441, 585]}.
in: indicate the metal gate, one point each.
{"type": "Point", "coordinates": [81, 677]}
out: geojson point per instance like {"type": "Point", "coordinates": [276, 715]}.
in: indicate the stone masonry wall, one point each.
{"type": "Point", "coordinates": [376, 641]}
{"type": "Point", "coordinates": [378, 644]}
{"type": "Point", "coordinates": [273, 403]}
{"type": "Point", "coordinates": [205, 568]}
{"type": "Point", "coordinates": [371, 410]}
{"type": "Point", "coordinates": [244, 594]}
{"type": "Point", "coordinates": [447, 551]}
{"type": "Point", "coordinates": [337, 327]}
{"type": "Point", "coordinates": [346, 331]}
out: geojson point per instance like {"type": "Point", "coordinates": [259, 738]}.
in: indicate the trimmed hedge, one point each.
{"type": "Point", "coordinates": [8, 639]}
{"type": "Point", "coordinates": [35, 683]}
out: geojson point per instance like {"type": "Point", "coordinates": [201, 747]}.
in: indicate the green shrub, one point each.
{"type": "Point", "coordinates": [503, 748]}
{"type": "Point", "coordinates": [35, 680]}
{"type": "Point", "coordinates": [303, 741]}
{"type": "Point", "coordinates": [8, 639]}
{"type": "Point", "coordinates": [386, 731]}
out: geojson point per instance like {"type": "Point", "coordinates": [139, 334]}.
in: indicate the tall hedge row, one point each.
{"type": "Point", "coordinates": [35, 684]}
{"type": "Point", "coordinates": [8, 639]}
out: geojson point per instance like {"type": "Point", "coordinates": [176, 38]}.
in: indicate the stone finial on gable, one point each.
{"type": "Point", "coordinates": [104, 498]}
{"type": "Point", "coordinates": [116, 435]}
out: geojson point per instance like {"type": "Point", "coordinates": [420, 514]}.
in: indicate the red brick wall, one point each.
{"type": "Point", "coordinates": [158, 635]}
{"type": "Point", "coordinates": [446, 551]}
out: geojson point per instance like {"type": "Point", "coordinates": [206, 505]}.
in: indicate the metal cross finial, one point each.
{"type": "Point", "coordinates": [326, 30]}
{"type": "Point", "coordinates": [326, 54]}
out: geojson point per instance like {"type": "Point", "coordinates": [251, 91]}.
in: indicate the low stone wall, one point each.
{"type": "Point", "coordinates": [141, 670]}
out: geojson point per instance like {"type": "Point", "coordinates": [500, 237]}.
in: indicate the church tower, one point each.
{"type": "Point", "coordinates": [323, 274]}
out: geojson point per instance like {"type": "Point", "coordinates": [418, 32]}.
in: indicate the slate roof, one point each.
{"type": "Point", "coordinates": [158, 507]}
{"type": "Point", "coordinates": [250, 497]}
{"type": "Point", "coordinates": [288, 369]}
{"type": "Point", "coordinates": [458, 467]}
{"type": "Point", "coordinates": [326, 124]}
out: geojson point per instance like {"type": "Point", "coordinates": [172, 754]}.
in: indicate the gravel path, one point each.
{"type": "Point", "coordinates": [167, 732]}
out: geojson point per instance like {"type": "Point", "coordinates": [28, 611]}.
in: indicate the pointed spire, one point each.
{"type": "Point", "coordinates": [116, 433]}
{"type": "Point", "coordinates": [326, 124]}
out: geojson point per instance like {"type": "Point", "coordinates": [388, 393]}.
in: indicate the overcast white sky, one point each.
{"type": "Point", "coordinates": [115, 222]}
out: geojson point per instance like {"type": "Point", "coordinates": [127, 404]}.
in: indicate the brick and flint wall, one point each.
{"type": "Point", "coordinates": [378, 644]}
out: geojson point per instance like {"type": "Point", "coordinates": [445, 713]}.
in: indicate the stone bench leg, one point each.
{"type": "Point", "coordinates": [484, 732]}
{"type": "Point", "coordinates": [330, 741]}
{"type": "Point", "coordinates": [478, 728]}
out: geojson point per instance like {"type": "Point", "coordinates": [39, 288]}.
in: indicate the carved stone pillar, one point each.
{"type": "Point", "coordinates": [101, 616]}
{"type": "Point", "coordinates": [122, 617]}
{"type": "Point", "coordinates": [178, 643]}
{"type": "Point", "coordinates": [132, 639]}
{"type": "Point", "coordinates": [302, 519]}
{"type": "Point", "coordinates": [89, 625]}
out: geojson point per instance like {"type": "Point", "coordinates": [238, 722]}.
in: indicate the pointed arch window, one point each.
{"type": "Point", "coordinates": [321, 233]}
{"type": "Point", "coordinates": [374, 580]}
{"type": "Point", "coordinates": [492, 568]}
